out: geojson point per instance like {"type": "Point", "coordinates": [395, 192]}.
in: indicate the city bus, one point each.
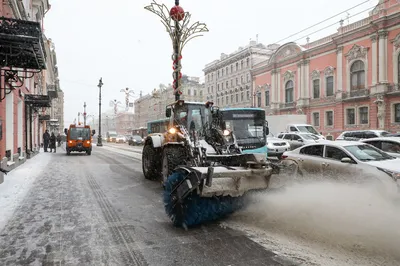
{"type": "Point", "coordinates": [157, 126]}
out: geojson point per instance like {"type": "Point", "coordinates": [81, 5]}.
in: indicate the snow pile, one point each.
{"type": "Point", "coordinates": [344, 217]}
{"type": "Point", "coordinates": [17, 183]}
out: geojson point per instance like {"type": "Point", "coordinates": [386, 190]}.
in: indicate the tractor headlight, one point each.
{"type": "Point", "coordinates": [226, 132]}
{"type": "Point", "coordinates": [394, 175]}
{"type": "Point", "coordinates": [172, 130]}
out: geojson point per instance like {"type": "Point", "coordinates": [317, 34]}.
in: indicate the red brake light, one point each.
{"type": "Point", "coordinates": [284, 157]}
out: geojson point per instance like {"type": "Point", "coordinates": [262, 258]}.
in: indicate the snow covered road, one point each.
{"type": "Point", "coordinates": [99, 210]}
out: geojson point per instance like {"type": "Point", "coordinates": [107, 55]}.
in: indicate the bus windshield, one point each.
{"type": "Point", "coordinates": [247, 125]}
{"type": "Point", "coordinates": [76, 133]}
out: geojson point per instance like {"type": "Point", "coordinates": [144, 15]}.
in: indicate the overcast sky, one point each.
{"type": "Point", "coordinates": [128, 46]}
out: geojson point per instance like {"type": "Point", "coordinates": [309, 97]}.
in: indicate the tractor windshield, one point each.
{"type": "Point", "coordinates": [192, 116]}
{"type": "Point", "coordinates": [246, 125]}
{"type": "Point", "coordinates": [76, 133]}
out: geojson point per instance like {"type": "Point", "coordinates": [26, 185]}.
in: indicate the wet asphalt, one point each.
{"type": "Point", "coordinates": [99, 210]}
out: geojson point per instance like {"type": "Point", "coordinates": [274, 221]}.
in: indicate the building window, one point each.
{"type": "Point", "coordinates": [242, 96]}
{"type": "Point", "coordinates": [357, 74]}
{"type": "Point", "coordinates": [329, 118]}
{"type": "Point", "coordinates": [208, 89]}
{"type": "Point", "coordinates": [223, 72]}
{"type": "Point", "coordinates": [231, 68]}
{"type": "Point", "coordinates": [195, 92]}
{"type": "Point", "coordinates": [231, 82]}
{"type": "Point", "coordinates": [247, 62]}
{"type": "Point", "coordinates": [212, 77]}
{"type": "Point", "coordinates": [258, 99]}
{"type": "Point", "coordinates": [363, 112]}
{"type": "Point", "coordinates": [231, 98]}
{"type": "Point", "coordinates": [217, 87]}
{"type": "Point", "coordinates": [222, 99]}
{"type": "Point", "coordinates": [212, 89]}
{"type": "Point", "coordinates": [289, 92]}
{"type": "Point", "coordinates": [222, 86]}
{"type": "Point", "coordinates": [241, 65]}
{"type": "Point", "coordinates": [351, 116]}
{"type": "Point", "coordinates": [237, 81]}
{"type": "Point", "coordinates": [226, 70]}
{"type": "Point", "coordinates": [396, 108]}
{"type": "Point", "coordinates": [316, 89]}
{"type": "Point", "coordinates": [241, 79]}
{"type": "Point", "coordinates": [227, 99]}
{"type": "Point", "coordinates": [227, 84]}
{"type": "Point", "coordinates": [329, 86]}
{"type": "Point", "coordinates": [248, 77]}
{"type": "Point", "coordinates": [267, 98]}
{"type": "Point", "coordinates": [316, 119]}
{"type": "Point", "coordinates": [237, 97]}
{"type": "Point", "coordinates": [237, 67]}
{"type": "Point", "coordinates": [201, 93]}
{"type": "Point", "coordinates": [218, 101]}
{"type": "Point", "coordinates": [248, 95]}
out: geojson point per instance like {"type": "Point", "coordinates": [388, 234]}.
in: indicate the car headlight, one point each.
{"type": "Point", "coordinates": [172, 130]}
{"type": "Point", "coordinates": [270, 145]}
{"type": "Point", "coordinates": [226, 132]}
{"type": "Point", "coordinates": [394, 175]}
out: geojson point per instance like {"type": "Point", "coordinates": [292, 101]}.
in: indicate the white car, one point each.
{"type": "Point", "coordinates": [276, 146]}
{"type": "Point", "coordinates": [348, 159]}
{"type": "Point", "coordinates": [390, 145]}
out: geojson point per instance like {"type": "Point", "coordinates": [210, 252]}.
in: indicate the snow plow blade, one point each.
{"type": "Point", "coordinates": [194, 195]}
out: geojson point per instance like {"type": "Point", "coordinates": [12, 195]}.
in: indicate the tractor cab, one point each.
{"type": "Point", "coordinates": [190, 116]}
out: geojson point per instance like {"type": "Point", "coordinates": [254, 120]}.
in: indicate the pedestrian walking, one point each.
{"type": "Point", "coordinates": [46, 140]}
{"type": "Point", "coordinates": [53, 141]}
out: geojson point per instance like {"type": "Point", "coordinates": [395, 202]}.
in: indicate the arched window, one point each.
{"type": "Point", "coordinates": [241, 64]}
{"type": "Point", "coordinates": [247, 62]}
{"type": "Point", "coordinates": [357, 74]}
{"type": "Point", "coordinates": [289, 92]}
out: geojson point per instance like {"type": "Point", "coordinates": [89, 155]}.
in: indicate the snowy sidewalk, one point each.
{"type": "Point", "coordinates": [18, 182]}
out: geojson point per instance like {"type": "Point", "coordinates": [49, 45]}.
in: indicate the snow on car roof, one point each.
{"type": "Point", "coordinates": [396, 139]}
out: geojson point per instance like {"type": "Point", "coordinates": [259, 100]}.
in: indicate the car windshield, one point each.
{"type": "Point", "coordinates": [308, 129]}
{"type": "Point", "coordinates": [309, 136]}
{"type": "Point", "coordinates": [368, 153]}
{"type": "Point", "coordinates": [384, 133]}
{"type": "Point", "coordinates": [136, 137]}
{"type": "Point", "coordinates": [76, 133]}
{"type": "Point", "coordinates": [120, 137]}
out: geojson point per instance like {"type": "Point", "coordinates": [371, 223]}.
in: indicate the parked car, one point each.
{"type": "Point", "coordinates": [135, 140]}
{"type": "Point", "coordinates": [390, 145]}
{"type": "Point", "coordinates": [348, 159]}
{"type": "Point", "coordinates": [362, 134]}
{"type": "Point", "coordinates": [299, 139]}
{"type": "Point", "coordinates": [276, 146]}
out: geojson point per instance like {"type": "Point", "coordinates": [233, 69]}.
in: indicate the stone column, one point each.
{"type": "Point", "coordinates": [339, 69]}
{"type": "Point", "coordinates": [383, 35]}
{"type": "Point", "coordinates": [374, 60]}
{"type": "Point", "coordinates": [306, 77]}
{"type": "Point", "coordinates": [278, 81]}
{"type": "Point", "coordinates": [299, 83]}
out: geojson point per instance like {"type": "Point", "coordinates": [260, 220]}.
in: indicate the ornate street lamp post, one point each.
{"type": "Point", "coordinates": [176, 22]}
{"type": "Point", "coordinates": [99, 139]}
{"type": "Point", "coordinates": [115, 104]}
{"type": "Point", "coordinates": [128, 93]}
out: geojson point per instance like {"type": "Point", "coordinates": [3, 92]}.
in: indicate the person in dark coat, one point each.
{"type": "Point", "coordinates": [53, 141]}
{"type": "Point", "coordinates": [46, 140]}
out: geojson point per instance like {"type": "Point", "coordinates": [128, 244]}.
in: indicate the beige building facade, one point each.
{"type": "Point", "coordinates": [228, 80]}
{"type": "Point", "coordinates": [152, 106]}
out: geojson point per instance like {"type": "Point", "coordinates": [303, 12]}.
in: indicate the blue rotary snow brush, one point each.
{"type": "Point", "coordinates": [186, 208]}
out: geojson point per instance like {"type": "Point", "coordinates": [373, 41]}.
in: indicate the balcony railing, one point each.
{"type": "Point", "coordinates": [287, 105]}
{"type": "Point", "coordinates": [356, 93]}
{"type": "Point", "coordinates": [393, 88]}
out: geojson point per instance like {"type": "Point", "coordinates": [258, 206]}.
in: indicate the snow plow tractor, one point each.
{"type": "Point", "coordinates": [203, 170]}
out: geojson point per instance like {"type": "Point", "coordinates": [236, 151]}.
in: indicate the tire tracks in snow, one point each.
{"type": "Point", "coordinates": [120, 235]}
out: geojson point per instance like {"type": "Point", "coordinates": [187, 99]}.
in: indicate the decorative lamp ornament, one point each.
{"type": "Point", "coordinates": [177, 13]}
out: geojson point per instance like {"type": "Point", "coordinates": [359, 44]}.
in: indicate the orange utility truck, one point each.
{"type": "Point", "coordinates": [79, 138]}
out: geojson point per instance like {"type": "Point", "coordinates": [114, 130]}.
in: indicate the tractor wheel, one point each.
{"type": "Point", "coordinates": [195, 210]}
{"type": "Point", "coordinates": [89, 152]}
{"type": "Point", "coordinates": [172, 157]}
{"type": "Point", "coordinates": [150, 162]}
